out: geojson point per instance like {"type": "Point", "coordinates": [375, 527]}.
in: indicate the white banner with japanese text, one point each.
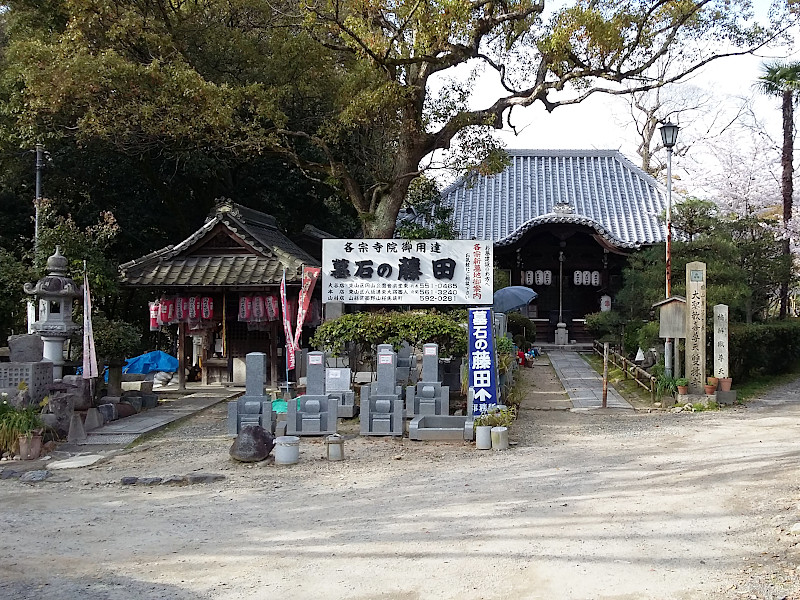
{"type": "Point", "coordinates": [386, 271]}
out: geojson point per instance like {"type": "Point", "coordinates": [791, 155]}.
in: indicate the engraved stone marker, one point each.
{"type": "Point", "coordinates": [721, 341]}
{"type": "Point", "coordinates": [696, 326]}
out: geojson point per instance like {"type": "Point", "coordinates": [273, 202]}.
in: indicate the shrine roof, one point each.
{"type": "Point", "coordinates": [598, 188]}
{"type": "Point", "coordinates": [236, 247]}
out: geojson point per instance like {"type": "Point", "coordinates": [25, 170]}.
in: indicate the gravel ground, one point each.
{"type": "Point", "coordinates": [601, 505]}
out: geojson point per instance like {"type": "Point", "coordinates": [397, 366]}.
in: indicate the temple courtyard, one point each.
{"type": "Point", "coordinates": [600, 504]}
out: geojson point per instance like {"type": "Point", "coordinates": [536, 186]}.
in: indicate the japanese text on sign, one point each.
{"type": "Point", "coordinates": [482, 361]}
{"type": "Point", "coordinates": [379, 271]}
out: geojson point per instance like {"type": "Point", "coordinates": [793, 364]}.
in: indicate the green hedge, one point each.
{"type": "Point", "coordinates": [417, 327]}
{"type": "Point", "coordinates": [763, 348]}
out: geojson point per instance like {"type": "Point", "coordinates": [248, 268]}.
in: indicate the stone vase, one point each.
{"type": "Point", "coordinates": [483, 437]}
{"type": "Point", "coordinates": [30, 447]}
{"type": "Point", "coordinates": [725, 384]}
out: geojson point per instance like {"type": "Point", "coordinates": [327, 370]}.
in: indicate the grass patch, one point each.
{"type": "Point", "coordinates": [627, 387]}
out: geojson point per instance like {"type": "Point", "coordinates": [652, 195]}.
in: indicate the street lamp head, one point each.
{"type": "Point", "coordinates": [669, 134]}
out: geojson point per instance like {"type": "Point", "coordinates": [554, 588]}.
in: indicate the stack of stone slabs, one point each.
{"type": "Point", "coordinates": [254, 408]}
{"type": "Point", "coordinates": [382, 400]}
{"type": "Point", "coordinates": [429, 396]}
{"type": "Point", "coordinates": [317, 412]}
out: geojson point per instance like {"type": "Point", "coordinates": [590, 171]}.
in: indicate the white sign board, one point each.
{"type": "Point", "coordinates": [386, 271]}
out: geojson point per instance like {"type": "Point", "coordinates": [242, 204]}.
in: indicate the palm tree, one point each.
{"type": "Point", "coordinates": [783, 80]}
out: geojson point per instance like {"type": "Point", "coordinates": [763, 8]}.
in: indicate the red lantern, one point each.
{"type": "Point", "coordinates": [272, 307]}
{"type": "Point", "coordinates": [163, 312]}
{"type": "Point", "coordinates": [207, 308]}
{"type": "Point", "coordinates": [171, 316]}
{"type": "Point", "coordinates": [154, 310]}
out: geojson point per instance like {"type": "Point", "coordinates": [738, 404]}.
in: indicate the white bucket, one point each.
{"type": "Point", "coordinates": [499, 438]}
{"type": "Point", "coordinates": [287, 450]}
{"type": "Point", "coordinates": [483, 437]}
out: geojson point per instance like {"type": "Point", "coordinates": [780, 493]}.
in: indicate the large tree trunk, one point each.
{"type": "Point", "coordinates": [787, 188]}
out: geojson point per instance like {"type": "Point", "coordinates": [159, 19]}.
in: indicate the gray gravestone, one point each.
{"type": "Point", "coordinates": [337, 385]}
{"type": "Point", "coordinates": [428, 396]}
{"type": "Point", "coordinates": [381, 401]}
{"type": "Point", "coordinates": [254, 408]}
{"type": "Point", "coordinates": [314, 413]}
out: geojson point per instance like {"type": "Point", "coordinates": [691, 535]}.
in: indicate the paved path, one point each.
{"type": "Point", "coordinates": [583, 384]}
{"type": "Point", "coordinates": [124, 431]}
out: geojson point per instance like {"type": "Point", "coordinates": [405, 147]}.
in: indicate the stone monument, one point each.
{"type": "Point", "coordinates": [382, 400]}
{"type": "Point", "coordinates": [317, 412]}
{"type": "Point", "coordinates": [721, 369]}
{"type": "Point", "coordinates": [696, 326]}
{"type": "Point", "coordinates": [428, 396]}
{"type": "Point", "coordinates": [254, 408]}
{"type": "Point", "coordinates": [406, 364]}
{"type": "Point", "coordinates": [337, 385]}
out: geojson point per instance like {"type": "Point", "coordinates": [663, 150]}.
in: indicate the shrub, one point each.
{"type": "Point", "coordinates": [605, 326]}
{"type": "Point", "coordinates": [520, 325]}
{"type": "Point", "coordinates": [763, 348]}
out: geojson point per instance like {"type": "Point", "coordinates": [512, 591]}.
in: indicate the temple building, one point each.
{"type": "Point", "coordinates": [563, 222]}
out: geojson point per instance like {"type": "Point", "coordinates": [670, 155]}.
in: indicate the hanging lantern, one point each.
{"type": "Point", "coordinates": [154, 310]}
{"type": "Point", "coordinates": [245, 308]}
{"type": "Point", "coordinates": [272, 307]}
{"type": "Point", "coordinates": [207, 308]}
{"type": "Point", "coordinates": [194, 308]}
{"type": "Point", "coordinates": [596, 278]}
{"type": "Point", "coordinates": [163, 312]}
{"type": "Point", "coordinates": [258, 309]}
{"type": "Point", "coordinates": [171, 314]}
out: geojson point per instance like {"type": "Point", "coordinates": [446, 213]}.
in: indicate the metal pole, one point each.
{"type": "Point", "coordinates": [668, 341]}
{"type": "Point", "coordinates": [37, 201]}
{"type": "Point", "coordinates": [560, 285]}
{"type": "Point", "coordinates": [605, 375]}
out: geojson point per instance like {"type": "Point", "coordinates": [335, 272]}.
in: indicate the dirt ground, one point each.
{"type": "Point", "coordinates": [588, 505]}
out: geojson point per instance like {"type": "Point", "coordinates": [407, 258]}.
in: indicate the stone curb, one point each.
{"type": "Point", "coordinates": [190, 479]}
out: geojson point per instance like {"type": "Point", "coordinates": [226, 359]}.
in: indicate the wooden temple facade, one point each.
{"type": "Point", "coordinates": [220, 287]}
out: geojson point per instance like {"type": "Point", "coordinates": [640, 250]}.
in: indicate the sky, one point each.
{"type": "Point", "coordinates": [605, 122]}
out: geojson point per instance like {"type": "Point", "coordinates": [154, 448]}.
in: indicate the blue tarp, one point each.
{"type": "Point", "coordinates": [151, 362]}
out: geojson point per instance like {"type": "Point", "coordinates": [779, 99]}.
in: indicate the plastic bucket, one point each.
{"type": "Point", "coordinates": [499, 438]}
{"type": "Point", "coordinates": [287, 450]}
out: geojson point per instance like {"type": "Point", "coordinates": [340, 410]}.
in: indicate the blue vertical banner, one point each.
{"type": "Point", "coordinates": [482, 361]}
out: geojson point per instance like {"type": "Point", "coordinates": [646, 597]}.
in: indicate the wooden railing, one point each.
{"type": "Point", "coordinates": [630, 369]}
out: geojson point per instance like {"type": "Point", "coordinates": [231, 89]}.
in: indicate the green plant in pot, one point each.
{"type": "Point", "coordinates": [499, 417]}
{"type": "Point", "coordinates": [683, 385]}
{"type": "Point", "coordinates": [21, 431]}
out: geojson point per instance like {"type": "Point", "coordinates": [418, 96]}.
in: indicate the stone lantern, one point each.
{"type": "Point", "coordinates": [55, 292]}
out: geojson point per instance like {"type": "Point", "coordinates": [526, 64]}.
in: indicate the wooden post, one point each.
{"type": "Point", "coordinates": [605, 375]}
{"type": "Point", "coordinates": [181, 357]}
{"type": "Point", "coordinates": [273, 354]}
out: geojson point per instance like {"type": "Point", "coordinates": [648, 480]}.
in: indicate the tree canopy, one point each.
{"type": "Point", "coordinates": [355, 93]}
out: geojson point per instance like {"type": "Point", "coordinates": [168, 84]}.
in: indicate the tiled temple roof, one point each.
{"type": "Point", "coordinates": [603, 189]}
{"type": "Point", "coordinates": [256, 256]}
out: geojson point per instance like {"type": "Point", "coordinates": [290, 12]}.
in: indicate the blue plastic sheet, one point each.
{"type": "Point", "coordinates": [151, 362]}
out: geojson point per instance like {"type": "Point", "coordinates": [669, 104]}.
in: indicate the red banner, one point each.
{"type": "Point", "coordinates": [287, 326]}
{"type": "Point", "coordinates": [310, 276]}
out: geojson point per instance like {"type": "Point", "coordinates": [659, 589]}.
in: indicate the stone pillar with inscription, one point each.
{"type": "Point", "coordinates": [721, 341]}
{"type": "Point", "coordinates": [696, 326]}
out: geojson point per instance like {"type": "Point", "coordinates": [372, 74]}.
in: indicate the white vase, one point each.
{"type": "Point", "coordinates": [483, 437]}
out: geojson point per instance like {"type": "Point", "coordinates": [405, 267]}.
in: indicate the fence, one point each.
{"type": "Point", "coordinates": [629, 369]}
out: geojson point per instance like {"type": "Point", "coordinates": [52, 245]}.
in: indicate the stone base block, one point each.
{"type": "Point", "coordinates": [726, 397]}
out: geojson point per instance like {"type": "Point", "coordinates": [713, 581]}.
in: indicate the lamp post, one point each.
{"type": "Point", "coordinates": [669, 135]}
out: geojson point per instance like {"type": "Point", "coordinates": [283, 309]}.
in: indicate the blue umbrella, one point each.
{"type": "Point", "coordinates": [513, 297]}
